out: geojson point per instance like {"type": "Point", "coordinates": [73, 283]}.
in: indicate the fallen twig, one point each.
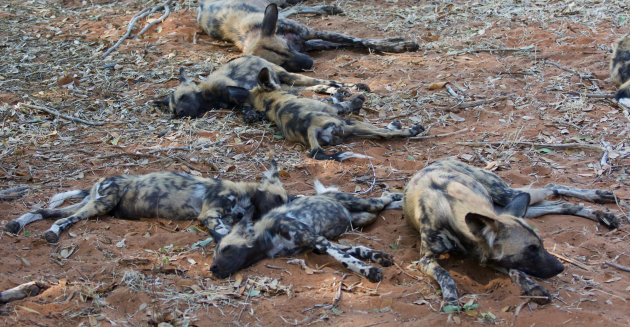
{"type": "Point", "coordinates": [167, 12]}
{"type": "Point", "coordinates": [423, 137]}
{"type": "Point", "coordinates": [141, 14]}
{"type": "Point", "coordinates": [464, 105]}
{"type": "Point", "coordinates": [572, 71]}
{"type": "Point", "coordinates": [569, 260]}
{"type": "Point", "coordinates": [590, 95]}
{"type": "Point", "coordinates": [60, 115]}
{"type": "Point", "coordinates": [620, 267]}
{"type": "Point", "coordinates": [546, 145]}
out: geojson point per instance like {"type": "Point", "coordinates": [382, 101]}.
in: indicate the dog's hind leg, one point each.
{"type": "Point", "coordinates": [310, 10]}
{"type": "Point", "coordinates": [382, 258]}
{"type": "Point", "coordinates": [357, 128]}
{"type": "Point", "coordinates": [322, 245]}
{"type": "Point", "coordinates": [356, 204]}
{"type": "Point", "coordinates": [386, 45]}
{"type": "Point", "coordinates": [104, 197]}
{"type": "Point", "coordinates": [15, 225]}
{"type": "Point", "coordinates": [595, 196]}
{"type": "Point", "coordinates": [565, 208]}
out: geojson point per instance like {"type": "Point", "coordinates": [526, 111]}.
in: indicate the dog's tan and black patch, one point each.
{"type": "Point", "coordinates": [620, 69]}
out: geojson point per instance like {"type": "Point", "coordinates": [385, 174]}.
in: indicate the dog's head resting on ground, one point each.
{"type": "Point", "coordinates": [274, 48]}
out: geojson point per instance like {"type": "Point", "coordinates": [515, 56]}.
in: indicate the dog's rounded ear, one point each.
{"type": "Point", "coordinates": [239, 95]}
{"type": "Point", "coordinates": [270, 20]}
{"type": "Point", "coordinates": [163, 102]}
{"type": "Point", "coordinates": [518, 206]}
{"type": "Point", "coordinates": [183, 78]}
{"type": "Point", "coordinates": [265, 81]}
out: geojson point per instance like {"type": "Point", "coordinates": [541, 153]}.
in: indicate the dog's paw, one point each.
{"type": "Point", "coordinates": [394, 125]}
{"type": "Point", "coordinates": [415, 130]}
{"type": "Point", "coordinates": [374, 274]}
{"type": "Point", "coordinates": [361, 87]}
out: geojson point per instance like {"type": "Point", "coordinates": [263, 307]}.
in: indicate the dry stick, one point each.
{"type": "Point", "coordinates": [578, 264]}
{"type": "Point", "coordinates": [141, 14]}
{"type": "Point", "coordinates": [167, 12]}
{"type": "Point", "coordinates": [60, 115]}
{"type": "Point", "coordinates": [546, 145]}
{"type": "Point", "coordinates": [590, 95]}
{"type": "Point", "coordinates": [620, 267]}
{"type": "Point", "coordinates": [572, 71]}
{"type": "Point", "coordinates": [423, 137]}
{"type": "Point", "coordinates": [465, 105]}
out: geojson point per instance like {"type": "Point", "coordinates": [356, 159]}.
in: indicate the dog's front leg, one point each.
{"type": "Point", "coordinates": [382, 258]}
{"type": "Point", "coordinates": [429, 265]}
{"type": "Point", "coordinates": [539, 294]}
{"type": "Point", "coordinates": [212, 219]}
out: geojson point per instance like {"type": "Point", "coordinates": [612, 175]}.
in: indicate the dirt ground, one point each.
{"type": "Point", "coordinates": [510, 66]}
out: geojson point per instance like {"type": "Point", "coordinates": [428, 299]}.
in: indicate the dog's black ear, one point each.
{"type": "Point", "coordinates": [518, 206]}
{"type": "Point", "coordinates": [183, 78]}
{"type": "Point", "coordinates": [163, 102]}
{"type": "Point", "coordinates": [240, 95]}
{"type": "Point", "coordinates": [270, 20]}
{"type": "Point", "coordinates": [265, 81]}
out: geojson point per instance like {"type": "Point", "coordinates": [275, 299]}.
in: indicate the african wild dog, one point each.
{"type": "Point", "coordinates": [620, 70]}
{"type": "Point", "coordinates": [217, 203]}
{"type": "Point", "coordinates": [305, 224]}
{"type": "Point", "coordinates": [254, 27]}
{"type": "Point", "coordinates": [461, 208]}
{"type": "Point", "coordinates": [311, 122]}
{"type": "Point", "coordinates": [193, 100]}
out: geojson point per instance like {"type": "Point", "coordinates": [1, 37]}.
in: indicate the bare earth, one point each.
{"type": "Point", "coordinates": [520, 58]}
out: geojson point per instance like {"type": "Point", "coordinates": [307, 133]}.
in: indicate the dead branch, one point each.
{"type": "Point", "coordinates": [590, 95]}
{"type": "Point", "coordinates": [464, 105]}
{"type": "Point", "coordinates": [60, 115]}
{"type": "Point", "coordinates": [546, 145]}
{"type": "Point", "coordinates": [141, 14]}
{"type": "Point", "coordinates": [423, 137]}
{"type": "Point", "coordinates": [569, 260]}
{"type": "Point", "coordinates": [167, 12]}
{"type": "Point", "coordinates": [572, 71]}
{"type": "Point", "coordinates": [620, 267]}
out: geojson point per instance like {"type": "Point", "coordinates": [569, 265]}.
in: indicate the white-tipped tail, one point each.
{"type": "Point", "coordinates": [321, 189]}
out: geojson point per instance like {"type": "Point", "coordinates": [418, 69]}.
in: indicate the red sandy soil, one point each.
{"type": "Point", "coordinates": [90, 268]}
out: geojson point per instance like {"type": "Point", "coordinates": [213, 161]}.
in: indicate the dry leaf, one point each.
{"type": "Point", "coordinates": [437, 85]}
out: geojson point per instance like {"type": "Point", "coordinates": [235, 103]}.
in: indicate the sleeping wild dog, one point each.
{"type": "Point", "coordinates": [192, 99]}
{"type": "Point", "coordinates": [620, 70]}
{"type": "Point", "coordinates": [461, 208]}
{"type": "Point", "coordinates": [311, 122]}
{"type": "Point", "coordinates": [217, 203]}
{"type": "Point", "coordinates": [304, 224]}
{"type": "Point", "coordinates": [254, 27]}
